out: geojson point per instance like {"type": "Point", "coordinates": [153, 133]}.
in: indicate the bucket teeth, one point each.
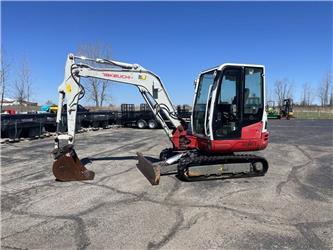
{"type": "Point", "coordinates": [68, 167]}
{"type": "Point", "coordinates": [150, 171]}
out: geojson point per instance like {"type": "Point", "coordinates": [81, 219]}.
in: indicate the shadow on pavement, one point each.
{"type": "Point", "coordinates": [88, 160]}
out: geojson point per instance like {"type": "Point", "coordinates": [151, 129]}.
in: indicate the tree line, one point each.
{"type": "Point", "coordinates": [21, 88]}
{"type": "Point", "coordinates": [283, 89]}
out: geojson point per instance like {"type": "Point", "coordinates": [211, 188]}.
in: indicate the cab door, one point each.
{"type": "Point", "coordinates": [226, 108]}
{"type": "Point", "coordinates": [202, 102]}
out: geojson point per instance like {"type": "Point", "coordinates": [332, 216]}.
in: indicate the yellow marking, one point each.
{"type": "Point", "coordinates": [68, 88]}
{"type": "Point", "coordinates": [142, 77]}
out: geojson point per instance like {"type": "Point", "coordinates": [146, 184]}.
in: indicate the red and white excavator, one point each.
{"type": "Point", "coordinates": [228, 117]}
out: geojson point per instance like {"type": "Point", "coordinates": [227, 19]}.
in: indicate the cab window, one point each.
{"type": "Point", "coordinates": [253, 94]}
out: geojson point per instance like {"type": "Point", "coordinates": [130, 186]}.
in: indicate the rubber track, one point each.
{"type": "Point", "coordinates": [187, 162]}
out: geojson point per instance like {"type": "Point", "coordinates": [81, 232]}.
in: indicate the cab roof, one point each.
{"type": "Point", "coordinates": [220, 67]}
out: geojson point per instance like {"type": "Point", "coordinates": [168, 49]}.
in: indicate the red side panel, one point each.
{"type": "Point", "coordinates": [252, 132]}
{"type": "Point", "coordinates": [179, 135]}
{"type": "Point", "coordinates": [252, 139]}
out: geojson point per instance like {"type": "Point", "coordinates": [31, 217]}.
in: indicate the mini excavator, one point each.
{"type": "Point", "coordinates": [228, 118]}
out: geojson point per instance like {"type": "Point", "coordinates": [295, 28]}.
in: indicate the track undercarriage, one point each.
{"type": "Point", "coordinates": [198, 166]}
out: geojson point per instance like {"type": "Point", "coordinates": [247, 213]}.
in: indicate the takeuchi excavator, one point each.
{"type": "Point", "coordinates": [228, 118]}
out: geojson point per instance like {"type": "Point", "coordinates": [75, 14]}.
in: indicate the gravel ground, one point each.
{"type": "Point", "coordinates": [291, 207]}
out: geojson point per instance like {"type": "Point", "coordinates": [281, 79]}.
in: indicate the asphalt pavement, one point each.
{"type": "Point", "coordinates": [290, 207]}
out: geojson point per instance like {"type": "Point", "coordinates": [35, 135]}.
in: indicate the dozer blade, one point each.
{"type": "Point", "coordinates": [68, 167]}
{"type": "Point", "coordinates": [150, 171]}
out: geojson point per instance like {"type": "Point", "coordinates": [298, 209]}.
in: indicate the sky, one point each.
{"type": "Point", "coordinates": [175, 40]}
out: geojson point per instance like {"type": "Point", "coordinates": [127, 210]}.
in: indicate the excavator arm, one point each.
{"type": "Point", "coordinates": [71, 91]}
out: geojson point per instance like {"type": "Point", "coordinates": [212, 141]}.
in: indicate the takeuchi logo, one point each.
{"type": "Point", "coordinates": [114, 75]}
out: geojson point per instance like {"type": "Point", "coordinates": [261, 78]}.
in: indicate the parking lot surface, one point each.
{"type": "Point", "coordinates": [290, 207]}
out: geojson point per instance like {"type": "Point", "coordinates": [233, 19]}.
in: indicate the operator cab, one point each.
{"type": "Point", "coordinates": [228, 99]}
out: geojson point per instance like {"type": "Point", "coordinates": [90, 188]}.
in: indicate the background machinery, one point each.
{"type": "Point", "coordinates": [287, 109]}
{"type": "Point", "coordinates": [228, 117]}
{"type": "Point", "coordinates": [272, 111]}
